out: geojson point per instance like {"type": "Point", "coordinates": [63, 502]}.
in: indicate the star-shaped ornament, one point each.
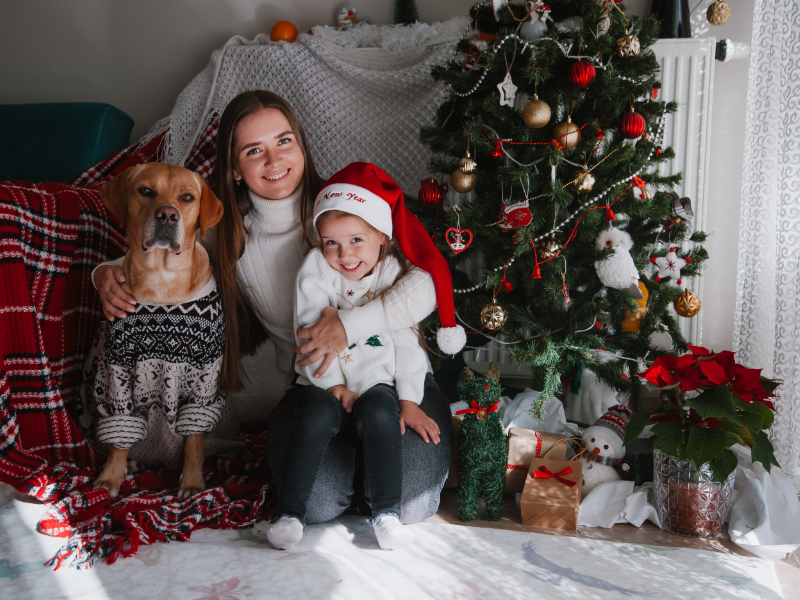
{"type": "Point", "coordinates": [368, 294]}
{"type": "Point", "coordinates": [670, 266]}
{"type": "Point", "coordinates": [349, 292]}
{"type": "Point", "coordinates": [507, 90]}
{"type": "Point", "coordinates": [347, 358]}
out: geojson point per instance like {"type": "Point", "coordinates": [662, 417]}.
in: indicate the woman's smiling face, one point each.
{"type": "Point", "coordinates": [266, 154]}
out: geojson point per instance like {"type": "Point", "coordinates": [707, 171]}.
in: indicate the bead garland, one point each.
{"type": "Point", "coordinates": [659, 133]}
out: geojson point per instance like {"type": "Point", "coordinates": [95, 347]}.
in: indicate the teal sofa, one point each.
{"type": "Point", "coordinates": [59, 141]}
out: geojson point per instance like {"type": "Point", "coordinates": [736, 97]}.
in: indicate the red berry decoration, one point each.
{"type": "Point", "coordinates": [431, 192]}
{"type": "Point", "coordinates": [582, 74]}
{"type": "Point", "coordinates": [632, 125]}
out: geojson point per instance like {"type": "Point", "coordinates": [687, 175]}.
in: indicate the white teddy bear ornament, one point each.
{"type": "Point", "coordinates": [618, 271]}
{"type": "Point", "coordinates": [604, 448]}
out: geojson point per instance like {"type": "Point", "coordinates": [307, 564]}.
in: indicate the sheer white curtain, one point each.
{"type": "Point", "coordinates": [767, 327]}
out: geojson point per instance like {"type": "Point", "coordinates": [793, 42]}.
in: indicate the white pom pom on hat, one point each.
{"type": "Point", "coordinates": [364, 190]}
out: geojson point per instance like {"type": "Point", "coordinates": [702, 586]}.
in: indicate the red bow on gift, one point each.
{"type": "Point", "coordinates": [475, 408]}
{"type": "Point", "coordinates": [546, 473]}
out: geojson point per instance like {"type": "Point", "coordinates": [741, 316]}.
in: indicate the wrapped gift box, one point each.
{"type": "Point", "coordinates": [523, 446]}
{"type": "Point", "coordinates": [552, 493]}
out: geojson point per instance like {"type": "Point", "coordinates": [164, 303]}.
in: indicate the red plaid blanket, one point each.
{"type": "Point", "coordinates": [51, 237]}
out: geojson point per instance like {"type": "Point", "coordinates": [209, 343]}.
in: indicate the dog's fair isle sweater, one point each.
{"type": "Point", "coordinates": [158, 374]}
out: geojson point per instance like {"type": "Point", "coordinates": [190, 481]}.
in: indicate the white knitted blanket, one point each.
{"type": "Point", "coordinates": [361, 95]}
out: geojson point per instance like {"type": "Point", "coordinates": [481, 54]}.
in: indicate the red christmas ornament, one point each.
{"type": "Point", "coordinates": [498, 149]}
{"type": "Point", "coordinates": [582, 74]}
{"type": "Point", "coordinates": [517, 215]}
{"type": "Point", "coordinates": [632, 125]}
{"type": "Point", "coordinates": [431, 192]}
{"type": "Point", "coordinates": [458, 239]}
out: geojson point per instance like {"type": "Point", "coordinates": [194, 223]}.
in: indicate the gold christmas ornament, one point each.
{"type": "Point", "coordinates": [628, 45]}
{"type": "Point", "coordinates": [583, 183]}
{"type": "Point", "coordinates": [687, 304]}
{"type": "Point", "coordinates": [719, 13]}
{"type": "Point", "coordinates": [536, 113]}
{"type": "Point", "coordinates": [467, 165]}
{"type": "Point", "coordinates": [493, 316]}
{"type": "Point", "coordinates": [463, 182]}
{"type": "Point", "coordinates": [567, 134]}
{"type": "Point", "coordinates": [549, 248]}
{"type": "Point", "coordinates": [481, 415]}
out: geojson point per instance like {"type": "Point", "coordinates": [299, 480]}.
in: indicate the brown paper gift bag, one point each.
{"type": "Point", "coordinates": [523, 446]}
{"type": "Point", "coordinates": [552, 493]}
{"type": "Point", "coordinates": [452, 477]}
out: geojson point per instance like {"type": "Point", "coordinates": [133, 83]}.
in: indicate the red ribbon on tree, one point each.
{"type": "Point", "coordinates": [475, 408]}
{"type": "Point", "coordinates": [545, 473]}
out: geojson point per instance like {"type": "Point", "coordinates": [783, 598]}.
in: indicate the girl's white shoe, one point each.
{"type": "Point", "coordinates": [285, 533]}
{"type": "Point", "coordinates": [391, 533]}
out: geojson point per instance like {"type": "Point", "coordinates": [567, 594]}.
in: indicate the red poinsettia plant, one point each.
{"type": "Point", "coordinates": [709, 403]}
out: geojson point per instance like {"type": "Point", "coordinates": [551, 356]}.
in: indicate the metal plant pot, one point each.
{"type": "Point", "coordinates": [689, 501]}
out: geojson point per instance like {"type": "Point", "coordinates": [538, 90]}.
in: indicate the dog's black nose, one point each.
{"type": "Point", "coordinates": [167, 215]}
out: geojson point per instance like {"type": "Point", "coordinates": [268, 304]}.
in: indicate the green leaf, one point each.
{"type": "Point", "coordinates": [724, 464]}
{"type": "Point", "coordinates": [635, 426]}
{"type": "Point", "coordinates": [704, 444]}
{"type": "Point", "coordinates": [669, 435]}
{"type": "Point", "coordinates": [749, 420]}
{"type": "Point", "coordinates": [767, 416]}
{"type": "Point", "coordinates": [770, 385]}
{"type": "Point", "coordinates": [682, 453]}
{"type": "Point", "coordinates": [737, 430]}
{"type": "Point", "coordinates": [716, 402]}
{"type": "Point", "coordinates": [763, 451]}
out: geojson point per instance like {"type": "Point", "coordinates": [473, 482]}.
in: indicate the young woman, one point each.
{"type": "Point", "coordinates": [267, 183]}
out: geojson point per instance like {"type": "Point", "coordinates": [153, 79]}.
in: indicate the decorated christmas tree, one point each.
{"type": "Point", "coordinates": [551, 136]}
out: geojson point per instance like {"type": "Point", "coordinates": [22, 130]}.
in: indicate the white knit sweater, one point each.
{"type": "Point", "coordinates": [268, 268]}
{"type": "Point", "coordinates": [394, 358]}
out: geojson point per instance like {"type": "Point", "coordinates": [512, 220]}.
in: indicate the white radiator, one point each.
{"type": "Point", "coordinates": [687, 76]}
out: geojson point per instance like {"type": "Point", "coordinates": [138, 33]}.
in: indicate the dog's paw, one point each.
{"type": "Point", "coordinates": [191, 483]}
{"type": "Point", "coordinates": [111, 483]}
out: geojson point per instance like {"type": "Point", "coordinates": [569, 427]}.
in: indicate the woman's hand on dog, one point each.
{"type": "Point", "coordinates": [326, 337]}
{"type": "Point", "coordinates": [116, 301]}
{"type": "Point", "coordinates": [411, 415]}
{"type": "Point", "coordinates": [345, 396]}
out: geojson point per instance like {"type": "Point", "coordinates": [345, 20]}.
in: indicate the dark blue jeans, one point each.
{"type": "Point", "coordinates": [317, 418]}
{"type": "Point", "coordinates": [422, 468]}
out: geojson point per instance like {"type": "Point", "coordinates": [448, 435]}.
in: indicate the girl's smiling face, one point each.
{"type": "Point", "coordinates": [266, 154]}
{"type": "Point", "coordinates": [350, 245]}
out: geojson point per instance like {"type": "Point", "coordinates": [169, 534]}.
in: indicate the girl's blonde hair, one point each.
{"type": "Point", "coordinates": [243, 330]}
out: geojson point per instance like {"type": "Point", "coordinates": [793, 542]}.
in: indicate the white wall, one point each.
{"type": "Point", "coordinates": [138, 55]}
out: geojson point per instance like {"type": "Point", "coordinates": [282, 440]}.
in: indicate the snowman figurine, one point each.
{"type": "Point", "coordinates": [604, 448]}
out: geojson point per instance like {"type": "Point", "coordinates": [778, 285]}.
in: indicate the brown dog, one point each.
{"type": "Point", "coordinates": [162, 207]}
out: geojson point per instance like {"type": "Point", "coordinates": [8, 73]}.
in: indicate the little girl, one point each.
{"type": "Point", "coordinates": [374, 388]}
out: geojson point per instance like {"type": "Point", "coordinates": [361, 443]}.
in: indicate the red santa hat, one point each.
{"type": "Point", "coordinates": [364, 190]}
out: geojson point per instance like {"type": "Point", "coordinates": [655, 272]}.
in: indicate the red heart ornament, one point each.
{"type": "Point", "coordinates": [455, 239]}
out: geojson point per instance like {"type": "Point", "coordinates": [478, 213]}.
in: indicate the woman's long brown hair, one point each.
{"type": "Point", "coordinates": [244, 333]}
